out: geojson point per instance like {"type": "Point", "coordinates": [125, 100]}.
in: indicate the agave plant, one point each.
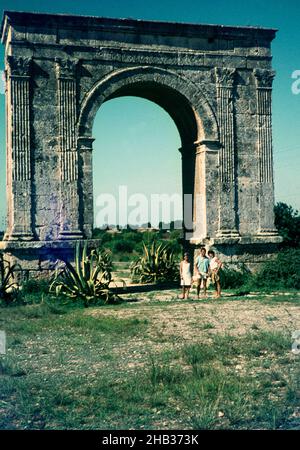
{"type": "Point", "coordinates": [89, 278]}
{"type": "Point", "coordinates": [9, 285]}
{"type": "Point", "coordinates": [157, 264]}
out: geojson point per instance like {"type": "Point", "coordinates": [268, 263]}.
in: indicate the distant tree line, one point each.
{"type": "Point", "coordinates": [287, 222]}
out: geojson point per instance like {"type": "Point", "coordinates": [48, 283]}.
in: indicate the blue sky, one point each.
{"type": "Point", "coordinates": [146, 132]}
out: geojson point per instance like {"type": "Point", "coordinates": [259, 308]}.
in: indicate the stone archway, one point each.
{"type": "Point", "coordinates": [183, 101]}
{"type": "Point", "coordinates": [214, 81]}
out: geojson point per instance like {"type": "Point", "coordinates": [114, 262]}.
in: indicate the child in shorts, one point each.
{"type": "Point", "coordinates": [201, 271]}
{"type": "Point", "coordinates": [214, 267]}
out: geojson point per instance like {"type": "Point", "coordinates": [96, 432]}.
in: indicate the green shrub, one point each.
{"type": "Point", "coordinates": [132, 236]}
{"type": "Point", "coordinates": [35, 286]}
{"type": "Point", "coordinates": [287, 222]}
{"type": "Point", "coordinates": [232, 278]}
{"type": "Point", "coordinates": [157, 264]}
{"type": "Point", "coordinates": [123, 246]}
{"type": "Point", "coordinates": [130, 241]}
{"type": "Point", "coordinates": [150, 236]}
{"type": "Point", "coordinates": [282, 272]}
{"type": "Point", "coordinates": [175, 241]}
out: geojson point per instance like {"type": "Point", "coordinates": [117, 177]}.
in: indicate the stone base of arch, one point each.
{"type": "Point", "coordinates": [235, 254]}
{"type": "Point", "coordinates": [40, 259]}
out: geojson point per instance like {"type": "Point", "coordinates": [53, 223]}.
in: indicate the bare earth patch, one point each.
{"type": "Point", "coordinates": [193, 319]}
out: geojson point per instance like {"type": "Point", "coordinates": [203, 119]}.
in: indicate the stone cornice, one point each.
{"type": "Point", "coordinates": [42, 20]}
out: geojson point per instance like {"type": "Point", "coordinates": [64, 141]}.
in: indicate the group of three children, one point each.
{"type": "Point", "coordinates": [204, 268]}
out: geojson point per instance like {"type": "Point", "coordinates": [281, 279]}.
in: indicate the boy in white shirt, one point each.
{"type": "Point", "coordinates": [214, 266]}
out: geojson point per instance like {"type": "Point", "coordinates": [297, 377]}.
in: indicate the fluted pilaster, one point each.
{"type": "Point", "coordinates": [19, 174]}
{"type": "Point", "coordinates": [225, 80]}
{"type": "Point", "coordinates": [68, 155]}
{"type": "Point", "coordinates": [264, 79]}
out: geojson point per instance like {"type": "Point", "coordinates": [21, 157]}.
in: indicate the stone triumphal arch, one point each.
{"type": "Point", "coordinates": [214, 81]}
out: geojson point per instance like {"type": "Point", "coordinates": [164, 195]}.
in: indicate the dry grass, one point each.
{"type": "Point", "coordinates": [155, 362]}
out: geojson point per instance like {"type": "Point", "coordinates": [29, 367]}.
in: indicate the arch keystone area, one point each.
{"type": "Point", "coordinates": [176, 94]}
{"type": "Point", "coordinates": [61, 68]}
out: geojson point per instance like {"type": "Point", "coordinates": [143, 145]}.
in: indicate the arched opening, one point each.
{"type": "Point", "coordinates": [136, 170]}
{"type": "Point", "coordinates": [183, 102]}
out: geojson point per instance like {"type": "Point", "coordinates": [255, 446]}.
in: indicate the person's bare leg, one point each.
{"type": "Point", "coordinates": [218, 284]}
{"type": "Point", "coordinates": [183, 292]}
{"type": "Point", "coordinates": [216, 290]}
{"type": "Point", "coordinates": [187, 293]}
{"type": "Point", "coordinates": [204, 288]}
{"type": "Point", "coordinates": [198, 288]}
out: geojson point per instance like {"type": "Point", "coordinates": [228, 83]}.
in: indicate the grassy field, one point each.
{"type": "Point", "coordinates": [152, 362]}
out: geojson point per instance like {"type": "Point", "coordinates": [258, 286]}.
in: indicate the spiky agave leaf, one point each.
{"type": "Point", "coordinates": [8, 285]}
{"type": "Point", "coordinates": [88, 279]}
{"type": "Point", "coordinates": [157, 263]}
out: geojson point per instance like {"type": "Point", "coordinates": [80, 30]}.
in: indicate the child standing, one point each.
{"type": "Point", "coordinates": [185, 276]}
{"type": "Point", "coordinates": [201, 271]}
{"type": "Point", "coordinates": [214, 267]}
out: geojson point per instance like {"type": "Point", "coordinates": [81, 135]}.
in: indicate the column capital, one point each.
{"type": "Point", "coordinates": [225, 76]}
{"type": "Point", "coordinates": [207, 146]}
{"type": "Point", "coordinates": [199, 146]}
{"type": "Point", "coordinates": [85, 143]}
{"type": "Point", "coordinates": [264, 78]}
{"type": "Point", "coordinates": [18, 66]}
{"type": "Point", "coordinates": [66, 68]}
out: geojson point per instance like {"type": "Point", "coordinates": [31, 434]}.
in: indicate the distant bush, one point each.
{"type": "Point", "coordinates": [232, 278]}
{"type": "Point", "coordinates": [283, 272]}
{"type": "Point", "coordinates": [132, 235]}
{"type": "Point", "coordinates": [102, 234]}
{"type": "Point", "coordinates": [150, 236]}
{"type": "Point", "coordinates": [122, 246]}
{"type": "Point", "coordinates": [175, 235]}
{"type": "Point", "coordinates": [287, 222]}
